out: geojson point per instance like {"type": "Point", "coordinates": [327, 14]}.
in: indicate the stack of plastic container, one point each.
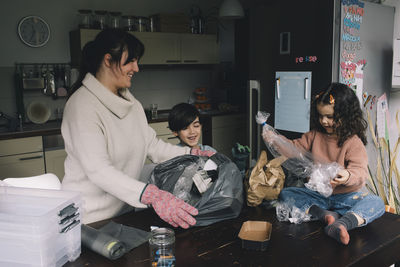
{"type": "Point", "coordinates": [39, 227]}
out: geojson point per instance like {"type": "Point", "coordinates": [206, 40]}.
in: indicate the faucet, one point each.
{"type": "Point", "coordinates": [12, 123]}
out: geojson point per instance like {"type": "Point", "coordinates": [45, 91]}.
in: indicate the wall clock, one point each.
{"type": "Point", "coordinates": [34, 31]}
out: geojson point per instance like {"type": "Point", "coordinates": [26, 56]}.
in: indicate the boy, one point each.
{"type": "Point", "coordinates": [183, 120]}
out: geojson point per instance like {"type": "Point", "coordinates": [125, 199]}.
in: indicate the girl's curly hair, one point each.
{"type": "Point", "coordinates": [348, 116]}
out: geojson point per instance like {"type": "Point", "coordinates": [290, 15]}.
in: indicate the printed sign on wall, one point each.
{"type": "Point", "coordinates": [351, 67]}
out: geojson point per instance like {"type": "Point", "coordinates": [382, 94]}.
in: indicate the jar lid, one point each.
{"type": "Point", "coordinates": [85, 11]}
{"type": "Point", "coordinates": [162, 236]}
{"type": "Point", "coordinates": [100, 12]}
{"type": "Point", "coordinates": [115, 13]}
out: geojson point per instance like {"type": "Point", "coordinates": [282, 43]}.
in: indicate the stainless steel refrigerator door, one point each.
{"type": "Point", "coordinates": [254, 128]}
{"type": "Point", "coordinates": [292, 101]}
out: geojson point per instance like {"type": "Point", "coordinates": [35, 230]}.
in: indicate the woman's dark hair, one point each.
{"type": "Point", "coordinates": [348, 116]}
{"type": "Point", "coordinates": [108, 41]}
{"type": "Point", "coordinates": [181, 116]}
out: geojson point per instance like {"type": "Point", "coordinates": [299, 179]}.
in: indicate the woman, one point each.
{"type": "Point", "coordinates": [107, 138]}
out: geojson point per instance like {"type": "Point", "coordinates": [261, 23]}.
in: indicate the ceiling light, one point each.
{"type": "Point", "coordinates": [231, 9]}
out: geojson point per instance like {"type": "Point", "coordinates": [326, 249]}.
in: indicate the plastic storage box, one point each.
{"type": "Point", "coordinates": [39, 227]}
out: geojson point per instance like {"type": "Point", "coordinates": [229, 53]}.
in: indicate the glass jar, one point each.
{"type": "Point", "coordinates": [115, 18]}
{"type": "Point", "coordinates": [153, 24]}
{"type": "Point", "coordinates": [162, 247]}
{"type": "Point", "coordinates": [142, 24]}
{"type": "Point", "coordinates": [128, 23]}
{"type": "Point", "coordinates": [100, 19]}
{"type": "Point", "coordinates": [85, 18]}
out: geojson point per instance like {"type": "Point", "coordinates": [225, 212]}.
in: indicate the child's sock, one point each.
{"type": "Point", "coordinates": [325, 216]}
{"type": "Point", "coordinates": [338, 229]}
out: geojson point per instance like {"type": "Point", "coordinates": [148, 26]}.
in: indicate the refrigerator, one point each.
{"type": "Point", "coordinates": [296, 48]}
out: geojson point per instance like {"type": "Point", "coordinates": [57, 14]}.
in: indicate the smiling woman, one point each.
{"type": "Point", "coordinates": [107, 138]}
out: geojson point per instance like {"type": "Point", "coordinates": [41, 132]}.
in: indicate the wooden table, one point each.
{"type": "Point", "coordinates": [377, 244]}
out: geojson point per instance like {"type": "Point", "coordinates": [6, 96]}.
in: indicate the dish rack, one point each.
{"type": "Point", "coordinates": [39, 88]}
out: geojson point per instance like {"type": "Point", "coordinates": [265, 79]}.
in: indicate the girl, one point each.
{"type": "Point", "coordinates": [107, 138]}
{"type": "Point", "coordinates": [183, 121]}
{"type": "Point", "coordinates": [337, 135]}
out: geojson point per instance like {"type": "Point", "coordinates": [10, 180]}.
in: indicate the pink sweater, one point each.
{"type": "Point", "coordinates": [352, 156]}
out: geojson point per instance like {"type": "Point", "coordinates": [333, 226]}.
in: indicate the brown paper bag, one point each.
{"type": "Point", "coordinates": [265, 181]}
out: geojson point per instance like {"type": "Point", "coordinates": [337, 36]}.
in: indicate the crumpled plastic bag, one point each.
{"type": "Point", "coordinates": [266, 180]}
{"type": "Point", "coordinates": [287, 211]}
{"type": "Point", "coordinates": [221, 201]}
{"type": "Point", "coordinates": [300, 162]}
{"type": "Point", "coordinates": [321, 176]}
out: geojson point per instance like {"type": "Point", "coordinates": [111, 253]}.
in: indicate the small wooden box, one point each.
{"type": "Point", "coordinates": [255, 235]}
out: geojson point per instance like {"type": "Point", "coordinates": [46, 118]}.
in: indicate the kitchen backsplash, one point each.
{"type": "Point", "coordinates": [168, 87]}
{"type": "Point", "coordinates": [165, 87]}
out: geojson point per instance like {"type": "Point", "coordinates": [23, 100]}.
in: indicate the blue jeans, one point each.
{"type": "Point", "coordinates": [366, 205]}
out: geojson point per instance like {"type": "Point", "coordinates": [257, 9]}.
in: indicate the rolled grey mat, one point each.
{"type": "Point", "coordinates": [130, 236]}
{"type": "Point", "coordinates": [102, 243]}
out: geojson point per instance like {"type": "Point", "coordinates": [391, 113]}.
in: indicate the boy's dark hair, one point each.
{"type": "Point", "coordinates": [348, 116]}
{"type": "Point", "coordinates": [181, 116]}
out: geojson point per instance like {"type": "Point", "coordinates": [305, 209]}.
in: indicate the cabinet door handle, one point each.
{"type": "Point", "coordinates": [172, 61]}
{"type": "Point", "coordinates": [169, 138]}
{"type": "Point", "coordinates": [34, 157]}
{"type": "Point", "coordinates": [190, 61]}
{"type": "Point", "coordinates": [278, 91]}
{"type": "Point", "coordinates": [305, 88]}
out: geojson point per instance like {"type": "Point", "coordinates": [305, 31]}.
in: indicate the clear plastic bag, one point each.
{"type": "Point", "coordinates": [287, 211]}
{"type": "Point", "coordinates": [299, 161]}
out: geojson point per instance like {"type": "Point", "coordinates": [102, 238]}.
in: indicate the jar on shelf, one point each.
{"type": "Point", "coordinates": [85, 18]}
{"type": "Point", "coordinates": [142, 24]}
{"type": "Point", "coordinates": [128, 23]}
{"type": "Point", "coordinates": [100, 19]}
{"type": "Point", "coordinates": [153, 24]}
{"type": "Point", "coordinates": [114, 21]}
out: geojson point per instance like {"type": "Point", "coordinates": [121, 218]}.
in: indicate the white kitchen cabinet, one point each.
{"type": "Point", "coordinates": [199, 49]}
{"type": "Point", "coordinates": [160, 48]}
{"type": "Point", "coordinates": [227, 130]}
{"type": "Point", "coordinates": [55, 162]}
{"type": "Point", "coordinates": [21, 157]}
{"type": "Point", "coordinates": [163, 133]}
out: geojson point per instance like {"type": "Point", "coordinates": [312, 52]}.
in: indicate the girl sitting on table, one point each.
{"type": "Point", "coordinates": [107, 138]}
{"type": "Point", "coordinates": [337, 135]}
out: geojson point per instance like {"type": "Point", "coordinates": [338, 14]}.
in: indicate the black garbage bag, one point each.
{"type": "Point", "coordinates": [221, 201]}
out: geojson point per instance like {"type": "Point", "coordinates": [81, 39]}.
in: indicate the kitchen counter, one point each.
{"type": "Point", "coordinates": [54, 127]}
{"type": "Point", "coordinates": [31, 129]}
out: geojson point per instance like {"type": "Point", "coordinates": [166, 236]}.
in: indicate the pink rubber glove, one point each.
{"type": "Point", "coordinates": [171, 209]}
{"type": "Point", "coordinates": [199, 152]}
